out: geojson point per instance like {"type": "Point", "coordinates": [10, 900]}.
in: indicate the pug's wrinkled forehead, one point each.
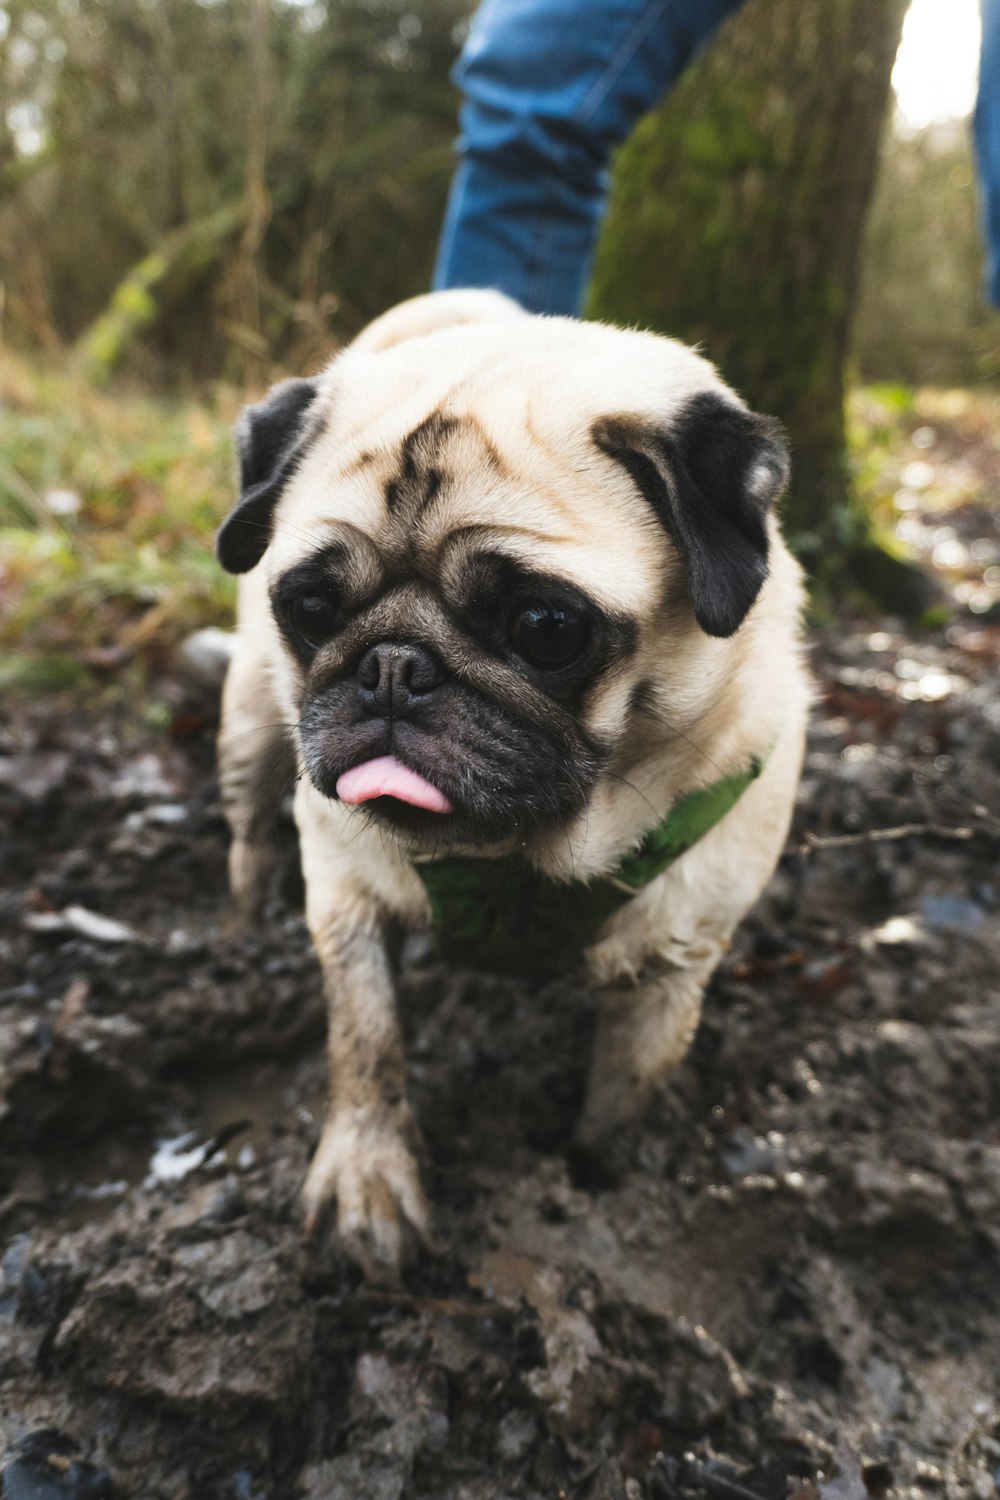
{"type": "Point", "coordinates": [615, 460]}
{"type": "Point", "coordinates": [498, 459]}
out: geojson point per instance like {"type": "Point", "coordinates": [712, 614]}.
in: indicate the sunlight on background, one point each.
{"type": "Point", "coordinates": [938, 63]}
{"type": "Point", "coordinates": [934, 77]}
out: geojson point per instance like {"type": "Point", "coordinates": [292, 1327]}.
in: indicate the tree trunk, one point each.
{"type": "Point", "coordinates": [736, 219]}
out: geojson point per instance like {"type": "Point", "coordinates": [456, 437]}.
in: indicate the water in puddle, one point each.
{"type": "Point", "coordinates": [232, 1121]}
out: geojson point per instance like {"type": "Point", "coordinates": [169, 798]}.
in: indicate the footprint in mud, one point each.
{"type": "Point", "coordinates": [46, 1469]}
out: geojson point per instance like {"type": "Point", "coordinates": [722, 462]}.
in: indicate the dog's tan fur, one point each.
{"type": "Point", "coordinates": [525, 394]}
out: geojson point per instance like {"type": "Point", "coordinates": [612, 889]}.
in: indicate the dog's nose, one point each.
{"type": "Point", "coordinates": [393, 675]}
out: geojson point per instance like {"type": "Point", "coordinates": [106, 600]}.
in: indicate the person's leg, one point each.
{"type": "Point", "coordinates": [987, 132]}
{"type": "Point", "coordinates": [551, 87]}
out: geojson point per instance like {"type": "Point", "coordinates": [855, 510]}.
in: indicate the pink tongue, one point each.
{"type": "Point", "coordinates": [388, 777]}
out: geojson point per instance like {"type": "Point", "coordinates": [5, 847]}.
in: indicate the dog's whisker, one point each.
{"type": "Point", "coordinates": [276, 524]}
{"type": "Point", "coordinates": [291, 782]}
{"type": "Point", "coordinates": [260, 729]}
{"type": "Point", "coordinates": [624, 781]}
{"type": "Point", "coordinates": [659, 718]}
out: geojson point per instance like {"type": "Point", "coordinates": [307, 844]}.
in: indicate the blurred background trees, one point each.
{"type": "Point", "coordinates": [921, 317]}
{"type": "Point", "coordinates": [272, 175]}
{"type": "Point", "coordinates": [202, 189]}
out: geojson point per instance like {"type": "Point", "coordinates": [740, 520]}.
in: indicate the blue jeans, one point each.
{"type": "Point", "coordinates": [551, 88]}
{"type": "Point", "coordinates": [987, 133]}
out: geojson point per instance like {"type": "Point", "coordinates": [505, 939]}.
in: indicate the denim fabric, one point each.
{"type": "Point", "coordinates": [987, 134]}
{"type": "Point", "coordinates": [551, 87]}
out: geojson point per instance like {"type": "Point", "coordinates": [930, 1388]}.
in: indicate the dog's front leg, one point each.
{"type": "Point", "coordinates": [643, 1033]}
{"type": "Point", "coordinates": [367, 1154]}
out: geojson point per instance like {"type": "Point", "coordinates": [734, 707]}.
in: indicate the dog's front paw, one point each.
{"type": "Point", "coordinates": [381, 1207]}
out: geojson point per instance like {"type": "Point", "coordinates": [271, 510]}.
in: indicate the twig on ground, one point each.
{"type": "Point", "coordinates": [887, 835]}
{"type": "Point", "coordinates": [720, 1488]}
{"type": "Point", "coordinates": [448, 1307]}
{"type": "Point", "coordinates": [689, 1472]}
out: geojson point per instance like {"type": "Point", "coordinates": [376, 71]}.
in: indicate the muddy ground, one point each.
{"type": "Point", "coordinates": [782, 1286]}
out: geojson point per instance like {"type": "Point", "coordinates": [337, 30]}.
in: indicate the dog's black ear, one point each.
{"type": "Point", "coordinates": [711, 477]}
{"type": "Point", "coordinates": [269, 440]}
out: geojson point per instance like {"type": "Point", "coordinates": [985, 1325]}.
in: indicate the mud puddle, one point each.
{"type": "Point", "coordinates": [781, 1286]}
{"type": "Point", "coordinates": [228, 1121]}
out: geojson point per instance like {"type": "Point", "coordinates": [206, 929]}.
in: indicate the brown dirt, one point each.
{"type": "Point", "coordinates": [782, 1286]}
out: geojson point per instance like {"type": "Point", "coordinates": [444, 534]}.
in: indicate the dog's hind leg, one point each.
{"type": "Point", "coordinates": [256, 766]}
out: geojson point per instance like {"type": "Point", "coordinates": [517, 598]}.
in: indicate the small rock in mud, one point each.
{"type": "Point", "coordinates": [213, 1326]}
{"type": "Point", "coordinates": [47, 1468]}
{"type": "Point", "coordinates": [34, 777]}
{"type": "Point", "coordinates": [203, 657]}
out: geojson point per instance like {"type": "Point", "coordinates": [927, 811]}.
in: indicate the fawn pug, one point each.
{"type": "Point", "coordinates": [515, 607]}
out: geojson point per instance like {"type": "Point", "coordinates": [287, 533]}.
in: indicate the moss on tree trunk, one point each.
{"type": "Point", "coordinates": [736, 218]}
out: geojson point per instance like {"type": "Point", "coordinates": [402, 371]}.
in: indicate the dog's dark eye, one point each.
{"type": "Point", "coordinates": [549, 635]}
{"type": "Point", "coordinates": [314, 618]}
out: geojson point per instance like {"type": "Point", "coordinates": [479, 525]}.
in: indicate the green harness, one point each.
{"type": "Point", "coordinates": [502, 916]}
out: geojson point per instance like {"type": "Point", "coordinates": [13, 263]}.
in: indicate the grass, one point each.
{"type": "Point", "coordinates": [110, 499]}
{"type": "Point", "coordinates": [109, 502]}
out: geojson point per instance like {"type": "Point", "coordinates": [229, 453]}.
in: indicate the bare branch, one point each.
{"type": "Point", "coordinates": [889, 835]}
